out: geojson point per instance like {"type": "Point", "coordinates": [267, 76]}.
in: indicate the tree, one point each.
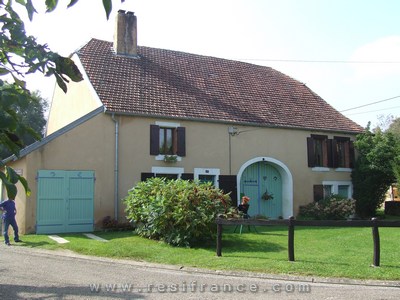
{"type": "Point", "coordinates": [20, 55]}
{"type": "Point", "coordinates": [31, 115]}
{"type": "Point", "coordinates": [373, 172]}
{"type": "Point", "coordinates": [394, 128]}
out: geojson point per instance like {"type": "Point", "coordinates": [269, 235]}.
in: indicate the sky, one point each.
{"type": "Point", "coordinates": [346, 51]}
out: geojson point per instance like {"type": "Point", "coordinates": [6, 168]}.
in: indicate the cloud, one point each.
{"type": "Point", "coordinates": [385, 50]}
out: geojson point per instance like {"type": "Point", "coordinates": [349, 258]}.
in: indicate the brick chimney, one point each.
{"type": "Point", "coordinates": [125, 36]}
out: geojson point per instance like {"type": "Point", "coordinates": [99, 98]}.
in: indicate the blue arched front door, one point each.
{"type": "Point", "coordinates": [262, 182]}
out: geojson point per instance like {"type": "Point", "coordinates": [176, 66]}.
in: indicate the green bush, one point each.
{"type": "Point", "coordinates": [334, 207]}
{"type": "Point", "coordinates": [179, 212]}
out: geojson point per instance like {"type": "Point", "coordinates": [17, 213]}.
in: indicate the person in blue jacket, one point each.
{"type": "Point", "coordinates": [9, 212]}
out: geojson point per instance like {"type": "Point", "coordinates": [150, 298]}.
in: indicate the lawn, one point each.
{"type": "Point", "coordinates": [324, 252]}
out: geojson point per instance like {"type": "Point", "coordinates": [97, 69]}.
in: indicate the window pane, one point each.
{"type": "Point", "coordinates": [162, 141]}
{"type": "Point", "coordinates": [167, 176]}
{"type": "Point", "coordinates": [166, 141]}
{"type": "Point", "coordinates": [341, 151]}
{"type": "Point", "coordinates": [327, 190]}
{"type": "Point", "coordinates": [318, 153]}
{"type": "Point", "coordinates": [207, 178]}
{"type": "Point", "coordinates": [169, 143]}
{"type": "Point", "coordinates": [343, 190]}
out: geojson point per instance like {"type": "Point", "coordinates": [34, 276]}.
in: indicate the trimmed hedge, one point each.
{"type": "Point", "coordinates": [179, 212]}
{"type": "Point", "coordinates": [330, 208]}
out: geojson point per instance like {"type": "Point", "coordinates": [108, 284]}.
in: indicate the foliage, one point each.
{"type": "Point", "coordinates": [20, 54]}
{"type": "Point", "coordinates": [373, 172]}
{"type": "Point", "coordinates": [394, 128]}
{"type": "Point", "coordinates": [178, 212]}
{"type": "Point", "coordinates": [334, 207]}
{"type": "Point", "coordinates": [29, 119]}
{"type": "Point", "coordinates": [110, 223]}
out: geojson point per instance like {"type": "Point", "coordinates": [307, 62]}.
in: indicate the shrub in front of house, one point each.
{"type": "Point", "coordinates": [334, 207]}
{"type": "Point", "coordinates": [179, 212]}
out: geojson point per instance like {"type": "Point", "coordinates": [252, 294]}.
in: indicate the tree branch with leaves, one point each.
{"type": "Point", "coordinates": [20, 55]}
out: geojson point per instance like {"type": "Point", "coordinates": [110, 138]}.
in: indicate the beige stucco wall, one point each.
{"type": "Point", "coordinates": [91, 146]}
{"type": "Point", "coordinates": [65, 108]}
{"type": "Point", "coordinates": [207, 146]}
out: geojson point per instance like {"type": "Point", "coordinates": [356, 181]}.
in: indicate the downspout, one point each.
{"type": "Point", "coordinates": [116, 171]}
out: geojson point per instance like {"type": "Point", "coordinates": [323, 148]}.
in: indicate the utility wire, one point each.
{"type": "Point", "coordinates": [376, 102]}
{"type": "Point", "coordinates": [371, 111]}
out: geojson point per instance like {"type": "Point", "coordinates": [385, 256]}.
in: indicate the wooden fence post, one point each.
{"type": "Point", "coordinates": [377, 247]}
{"type": "Point", "coordinates": [219, 239]}
{"type": "Point", "coordinates": [291, 239]}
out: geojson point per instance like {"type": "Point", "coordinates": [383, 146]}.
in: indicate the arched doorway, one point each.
{"type": "Point", "coordinates": [268, 183]}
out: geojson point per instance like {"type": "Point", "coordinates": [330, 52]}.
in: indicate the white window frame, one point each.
{"type": "Point", "coordinates": [343, 169]}
{"type": "Point", "coordinates": [167, 125]}
{"type": "Point", "coordinates": [335, 186]}
{"type": "Point", "coordinates": [167, 170]}
{"type": "Point", "coordinates": [321, 169]}
{"type": "Point", "coordinates": [208, 171]}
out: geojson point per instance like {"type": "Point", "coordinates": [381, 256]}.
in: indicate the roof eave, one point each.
{"type": "Point", "coordinates": [292, 127]}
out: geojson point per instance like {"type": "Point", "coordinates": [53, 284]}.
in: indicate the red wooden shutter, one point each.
{"type": "Point", "coordinates": [154, 140]}
{"type": "Point", "coordinates": [228, 183]}
{"type": "Point", "coordinates": [310, 152]}
{"type": "Point", "coordinates": [181, 141]}
{"type": "Point", "coordinates": [145, 176]}
{"type": "Point", "coordinates": [334, 156]}
{"type": "Point", "coordinates": [318, 191]}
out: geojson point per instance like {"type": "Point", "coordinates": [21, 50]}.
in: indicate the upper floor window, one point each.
{"type": "Point", "coordinates": [317, 146]}
{"type": "Point", "coordinates": [343, 155]}
{"type": "Point", "coordinates": [167, 139]}
{"type": "Point", "coordinates": [330, 153]}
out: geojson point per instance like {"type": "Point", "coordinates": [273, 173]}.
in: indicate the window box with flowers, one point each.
{"type": "Point", "coordinates": [170, 158]}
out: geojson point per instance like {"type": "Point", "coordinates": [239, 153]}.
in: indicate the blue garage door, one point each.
{"type": "Point", "coordinates": [65, 201]}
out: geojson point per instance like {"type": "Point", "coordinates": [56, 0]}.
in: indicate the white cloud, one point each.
{"type": "Point", "coordinates": [385, 50]}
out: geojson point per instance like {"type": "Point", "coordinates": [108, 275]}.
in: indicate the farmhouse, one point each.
{"type": "Point", "coordinates": [142, 112]}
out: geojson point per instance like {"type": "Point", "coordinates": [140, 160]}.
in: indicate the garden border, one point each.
{"type": "Point", "coordinates": [374, 223]}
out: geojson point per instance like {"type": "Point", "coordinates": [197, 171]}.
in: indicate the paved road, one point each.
{"type": "Point", "coordinates": [38, 274]}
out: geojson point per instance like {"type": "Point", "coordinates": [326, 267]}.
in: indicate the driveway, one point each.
{"type": "Point", "coordinates": [39, 274]}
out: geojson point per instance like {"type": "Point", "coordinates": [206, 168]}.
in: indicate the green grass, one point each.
{"type": "Point", "coordinates": [324, 252]}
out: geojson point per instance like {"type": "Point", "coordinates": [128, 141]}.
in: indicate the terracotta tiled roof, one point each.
{"type": "Point", "coordinates": [188, 86]}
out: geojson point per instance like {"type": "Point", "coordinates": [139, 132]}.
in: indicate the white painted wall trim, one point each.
{"type": "Point", "coordinates": [335, 186]}
{"type": "Point", "coordinates": [78, 63]}
{"type": "Point", "coordinates": [287, 182]}
{"type": "Point", "coordinates": [343, 170]}
{"type": "Point", "coordinates": [208, 171]}
{"type": "Point", "coordinates": [160, 157]}
{"type": "Point", "coordinates": [168, 124]}
{"type": "Point", "coordinates": [320, 169]}
{"type": "Point", "coordinates": [168, 170]}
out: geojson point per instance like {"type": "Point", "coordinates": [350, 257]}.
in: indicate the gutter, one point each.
{"type": "Point", "coordinates": [116, 170]}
